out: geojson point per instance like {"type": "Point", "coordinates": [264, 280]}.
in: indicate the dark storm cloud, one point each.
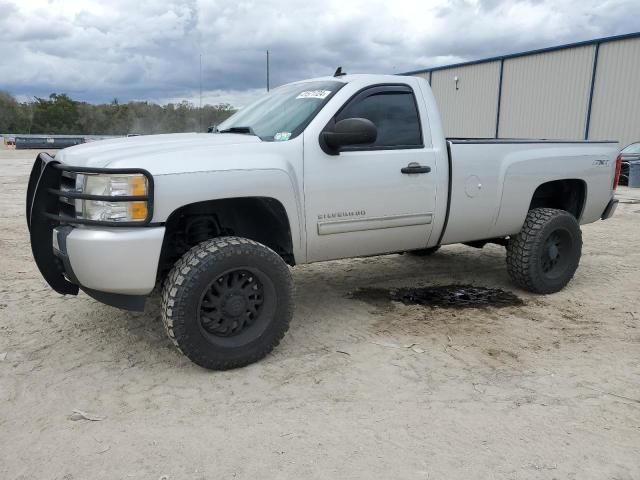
{"type": "Point", "coordinates": [150, 49]}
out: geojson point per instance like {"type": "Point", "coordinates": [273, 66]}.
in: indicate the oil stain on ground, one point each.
{"type": "Point", "coordinates": [443, 296]}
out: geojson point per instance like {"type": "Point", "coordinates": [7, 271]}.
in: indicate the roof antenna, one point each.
{"type": "Point", "coordinates": [339, 72]}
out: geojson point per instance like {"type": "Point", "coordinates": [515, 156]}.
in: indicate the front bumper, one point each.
{"type": "Point", "coordinates": [123, 261]}
{"type": "Point", "coordinates": [117, 266]}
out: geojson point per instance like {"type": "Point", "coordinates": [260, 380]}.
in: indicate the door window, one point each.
{"type": "Point", "coordinates": [393, 111]}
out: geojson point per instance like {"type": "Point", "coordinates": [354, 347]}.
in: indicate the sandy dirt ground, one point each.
{"type": "Point", "coordinates": [548, 390]}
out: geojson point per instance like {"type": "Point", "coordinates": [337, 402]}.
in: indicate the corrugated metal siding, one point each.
{"type": "Point", "coordinates": [471, 110]}
{"type": "Point", "coordinates": [615, 111]}
{"type": "Point", "coordinates": [546, 95]}
{"type": "Point", "coordinates": [424, 75]}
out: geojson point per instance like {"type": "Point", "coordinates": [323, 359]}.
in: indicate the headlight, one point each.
{"type": "Point", "coordinates": [112, 210]}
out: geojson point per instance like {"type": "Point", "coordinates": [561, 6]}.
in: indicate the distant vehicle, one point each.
{"type": "Point", "coordinates": [335, 167]}
{"type": "Point", "coordinates": [630, 153]}
{"type": "Point", "coordinates": [48, 142]}
{"type": "Point", "coordinates": [133, 134]}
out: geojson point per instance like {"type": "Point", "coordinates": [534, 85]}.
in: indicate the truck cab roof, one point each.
{"type": "Point", "coordinates": [365, 78]}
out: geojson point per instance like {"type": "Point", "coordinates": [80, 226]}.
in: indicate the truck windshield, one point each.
{"type": "Point", "coordinates": [282, 113]}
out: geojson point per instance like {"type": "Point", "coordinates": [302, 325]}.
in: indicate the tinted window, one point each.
{"type": "Point", "coordinates": [394, 113]}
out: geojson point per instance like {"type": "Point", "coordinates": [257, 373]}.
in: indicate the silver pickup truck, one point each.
{"type": "Point", "coordinates": [329, 168]}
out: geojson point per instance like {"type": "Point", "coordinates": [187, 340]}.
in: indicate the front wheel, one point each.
{"type": "Point", "coordinates": [544, 256]}
{"type": "Point", "coordinates": [227, 302]}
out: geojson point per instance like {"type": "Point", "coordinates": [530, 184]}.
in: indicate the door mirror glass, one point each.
{"type": "Point", "coordinates": [350, 131]}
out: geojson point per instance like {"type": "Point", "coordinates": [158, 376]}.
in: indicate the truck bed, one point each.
{"type": "Point", "coordinates": [492, 181]}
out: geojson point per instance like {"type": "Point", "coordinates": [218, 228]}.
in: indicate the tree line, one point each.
{"type": "Point", "coordinates": [60, 114]}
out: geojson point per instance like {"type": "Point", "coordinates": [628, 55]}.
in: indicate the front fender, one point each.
{"type": "Point", "coordinates": [173, 191]}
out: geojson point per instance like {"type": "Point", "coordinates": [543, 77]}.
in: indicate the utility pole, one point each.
{"type": "Point", "coordinates": [267, 70]}
{"type": "Point", "coordinates": [200, 92]}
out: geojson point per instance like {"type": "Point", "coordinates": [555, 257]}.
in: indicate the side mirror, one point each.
{"type": "Point", "coordinates": [350, 131]}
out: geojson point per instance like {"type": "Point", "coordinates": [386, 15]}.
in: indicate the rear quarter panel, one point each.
{"type": "Point", "coordinates": [493, 183]}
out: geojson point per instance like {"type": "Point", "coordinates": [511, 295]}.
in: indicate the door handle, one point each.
{"type": "Point", "coordinates": [414, 167]}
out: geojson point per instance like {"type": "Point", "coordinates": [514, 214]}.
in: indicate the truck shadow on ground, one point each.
{"type": "Point", "coordinates": [317, 283]}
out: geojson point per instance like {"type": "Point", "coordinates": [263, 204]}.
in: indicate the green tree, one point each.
{"type": "Point", "coordinates": [14, 117]}
{"type": "Point", "coordinates": [59, 114]}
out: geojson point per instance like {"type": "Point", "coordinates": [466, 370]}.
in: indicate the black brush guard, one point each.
{"type": "Point", "coordinates": [41, 207]}
{"type": "Point", "coordinates": [43, 215]}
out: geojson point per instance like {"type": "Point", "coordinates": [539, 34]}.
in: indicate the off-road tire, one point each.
{"type": "Point", "coordinates": [189, 281]}
{"type": "Point", "coordinates": [528, 251]}
{"type": "Point", "coordinates": [424, 252]}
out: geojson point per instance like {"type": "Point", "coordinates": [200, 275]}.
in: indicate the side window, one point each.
{"type": "Point", "coordinates": [393, 112]}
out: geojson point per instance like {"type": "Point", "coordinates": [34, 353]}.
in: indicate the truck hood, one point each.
{"type": "Point", "coordinates": [156, 153]}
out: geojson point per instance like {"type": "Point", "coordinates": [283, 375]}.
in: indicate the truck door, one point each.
{"type": "Point", "coordinates": [376, 198]}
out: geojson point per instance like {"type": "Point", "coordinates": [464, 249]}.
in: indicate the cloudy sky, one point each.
{"type": "Point", "coordinates": [150, 49]}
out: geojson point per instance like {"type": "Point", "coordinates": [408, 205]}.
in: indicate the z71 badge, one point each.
{"type": "Point", "coordinates": [601, 163]}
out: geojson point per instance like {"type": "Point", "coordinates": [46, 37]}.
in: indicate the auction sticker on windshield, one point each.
{"type": "Point", "coordinates": [282, 136]}
{"type": "Point", "coordinates": [314, 94]}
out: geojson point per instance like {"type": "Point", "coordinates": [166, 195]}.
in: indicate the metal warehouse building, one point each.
{"type": "Point", "coordinates": [588, 90]}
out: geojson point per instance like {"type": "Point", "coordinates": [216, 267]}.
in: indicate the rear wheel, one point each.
{"type": "Point", "coordinates": [544, 256]}
{"type": "Point", "coordinates": [227, 302]}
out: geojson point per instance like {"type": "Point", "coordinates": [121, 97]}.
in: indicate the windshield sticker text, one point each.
{"type": "Point", "coordinates": [321, 94]}
{"type": "Point", "coordinates": [282, 136]}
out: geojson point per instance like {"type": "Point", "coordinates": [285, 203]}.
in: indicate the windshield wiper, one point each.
{"type": "Point", "coordinates": [244, 130]}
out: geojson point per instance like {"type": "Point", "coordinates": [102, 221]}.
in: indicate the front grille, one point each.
{"type": "Point", "coordinates": [67, 184]}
